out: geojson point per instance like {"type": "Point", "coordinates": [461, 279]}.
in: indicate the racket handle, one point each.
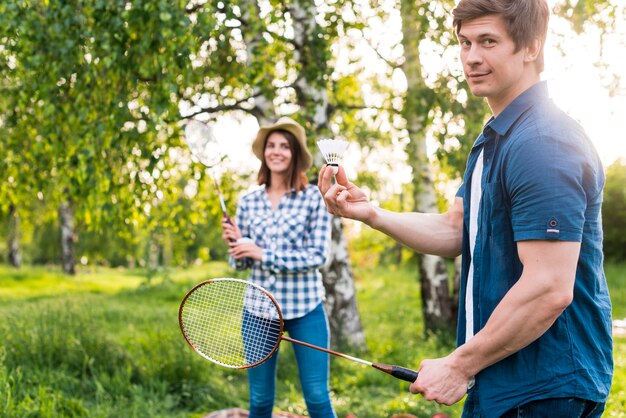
{"type": "Point", "coordinates": [241, 263]}
{"type": "Point", "coordinates": [229, 221]}
{"type": "Point", "coordinates": [397, 372]}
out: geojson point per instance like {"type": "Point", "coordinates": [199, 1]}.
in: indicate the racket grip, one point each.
{"type": "Point", "coordinates": [398, 372]}
{"type": "Point", "coordinates": [242, 263]}
{"type": "Point", "coordinates": [404, 374]}
{"type": "Point", "coordinates": [229, 221]}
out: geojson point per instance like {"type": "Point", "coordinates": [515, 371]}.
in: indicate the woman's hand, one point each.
{"type": "Point", "coordinates": [230, 230]}
{"type": "Point", "coordinates": [245, 248]}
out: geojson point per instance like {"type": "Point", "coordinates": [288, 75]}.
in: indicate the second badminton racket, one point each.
{"type": "Point", "coordinates": [238, 324]}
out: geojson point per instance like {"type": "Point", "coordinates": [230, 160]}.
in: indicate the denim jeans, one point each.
{"type": "Point", "coordinates": [313, 368]}
{"type": "Point", "coordinates": [543, 408]}
{"type": "Point", "coordinates": [557, 408]}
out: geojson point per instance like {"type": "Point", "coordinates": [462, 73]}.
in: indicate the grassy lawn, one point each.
{"type": "Point", "coordinates": [106, 343]}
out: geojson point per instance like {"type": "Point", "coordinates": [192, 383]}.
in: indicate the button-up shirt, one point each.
{"type": "Point", "coordinates": [295, 239]}
{"type": "Point", "coordinates": [542, 180]}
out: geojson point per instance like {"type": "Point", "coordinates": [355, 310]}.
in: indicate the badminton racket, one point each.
{"type": "Point", "coordinates": [237, 324]}
{"type": "Point", "coordinates": [206, 149]}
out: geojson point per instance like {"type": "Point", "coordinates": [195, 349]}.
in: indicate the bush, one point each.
{"type": "Point", "coordinates": [614, 212]}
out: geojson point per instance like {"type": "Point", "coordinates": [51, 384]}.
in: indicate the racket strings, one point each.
{"type": "Point", "coordinates": [231, 323]}
{"type": "Point", "coordinates": [203, 144]}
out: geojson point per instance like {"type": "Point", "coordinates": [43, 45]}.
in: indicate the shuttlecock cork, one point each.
{"type": "Point", "coordinates": [332, 150]}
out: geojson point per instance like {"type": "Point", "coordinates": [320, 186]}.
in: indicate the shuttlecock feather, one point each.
{"type": "Point", "coordinates": [332, 150]}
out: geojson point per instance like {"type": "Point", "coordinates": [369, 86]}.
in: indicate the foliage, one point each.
{"type": "Point", "coordinates": [104, 344]}
{"type": "Point", "coordinates": [582, 13]}
{"type": "Point", "coordinates": [614, 211]}
{"type": "Point", "coordinates": [616, 278]}
{"type": "Point", "coordinates": [93, 92]}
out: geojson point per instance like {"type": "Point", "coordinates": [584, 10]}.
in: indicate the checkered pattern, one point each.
{"type": "Point", "coordinates": [295, 240]}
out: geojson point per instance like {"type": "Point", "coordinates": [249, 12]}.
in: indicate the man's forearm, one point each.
{"type": "Point", "coordinates": [526, 312]}
{"type": "Point", "coordinates": [426, 233]}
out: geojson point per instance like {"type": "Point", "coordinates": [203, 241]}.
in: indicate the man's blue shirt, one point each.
{"type": "Point", "coordinates": [542, 180]}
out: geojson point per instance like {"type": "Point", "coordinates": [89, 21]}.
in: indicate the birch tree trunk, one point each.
{"type": "Point", "coordinates": [68, 237]}
{"type": "Point", "coordinates": [341, 306]}
{"type": "Point", "coordinates": [437, 302]}
{"type": "Point", "coordinates": [312, 92]}
{"type": "Point", "coordinates": [14, 257]}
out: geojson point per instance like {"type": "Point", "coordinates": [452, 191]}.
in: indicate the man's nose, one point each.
{"type": "Point", "coordinates": [473, 55]}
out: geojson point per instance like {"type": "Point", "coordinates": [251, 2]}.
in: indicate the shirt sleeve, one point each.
{"type": "Point", "coordinates": [550, 179]}
{"type": "Point", "coordinates": [314, 251]}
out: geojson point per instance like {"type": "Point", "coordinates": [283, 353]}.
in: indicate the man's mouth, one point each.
{"type": "Point", "coordinates": [477, 75]}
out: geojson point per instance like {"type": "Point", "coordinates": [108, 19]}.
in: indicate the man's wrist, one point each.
{"type": "Point", "coordinates": [464, 360]}
{"type": "Point", "coordinates": [373, 218]}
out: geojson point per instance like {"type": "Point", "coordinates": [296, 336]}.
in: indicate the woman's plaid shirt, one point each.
{"type": "Point", "coordinates": [296, 242]}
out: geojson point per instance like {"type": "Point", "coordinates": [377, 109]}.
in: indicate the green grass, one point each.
{"type": "Point", "coordinates": [106, 343]}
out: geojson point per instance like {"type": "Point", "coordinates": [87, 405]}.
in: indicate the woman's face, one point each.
{"type": "Point", "coordinates": [277, 153]}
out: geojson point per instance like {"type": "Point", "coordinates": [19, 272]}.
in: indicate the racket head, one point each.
{"type": "Point", "coordinates": [231, 322]}
{"type": "Point", "coordinates": [202, 143]}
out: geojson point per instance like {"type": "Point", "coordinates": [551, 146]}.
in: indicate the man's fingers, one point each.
{"type": "Point", "coordinates": [319, 177]}
{"type": "Point", "coordinates": [332, 196]}
{"type": "Point", "coordinates": [341, 176]}
{"type": "Point", "coordinates": [342, 196]}
{"type": "Point", "coordinates": [324, 179]}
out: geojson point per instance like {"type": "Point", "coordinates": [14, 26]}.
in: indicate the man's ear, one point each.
{"type": "Point", "coordinates": [532, 51]}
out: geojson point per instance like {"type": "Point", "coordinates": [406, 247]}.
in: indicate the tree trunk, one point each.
{"type": "Point", "coordinates": [311, 88]}
{"type": "Point", "coordinates": [341, 306]}
{"type": "Point", "coordinates": [438, 308]}
{"type": "Point", "coordinates": [14, 257]}
{"type": "Point", "coordinates": [154, 254]}
{"type": "Point", "coordinates": [68, 237]}
{"type": "Point", "coordinates": [436, 298]}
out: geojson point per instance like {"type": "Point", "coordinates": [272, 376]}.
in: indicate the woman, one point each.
{"type": "Point", "coordinates": [282, 231]}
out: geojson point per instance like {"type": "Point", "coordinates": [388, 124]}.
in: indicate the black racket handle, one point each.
{"type": "Point", "coordinates": [229, 222]}
{"type": "Point", "coordinates": [398, 372]}
{"type": "Point", "coordinates": [404, 374]}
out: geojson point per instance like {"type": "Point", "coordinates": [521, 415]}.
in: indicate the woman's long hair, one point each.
{"type": "Point", "coordinates": [296, 177]}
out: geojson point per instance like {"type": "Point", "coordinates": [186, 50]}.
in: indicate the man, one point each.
{"type": "Point", "coordinates": [534, 336]}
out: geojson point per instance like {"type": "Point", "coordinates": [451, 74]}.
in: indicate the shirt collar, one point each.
{"type": "Point", "coordinates": [512, 112]}
{"type": "Point", "coordinates": [521, 104]}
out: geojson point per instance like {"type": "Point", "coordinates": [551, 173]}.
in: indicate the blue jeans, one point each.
{"type": "Point", "coordinates": [313, 367]}
{"type": "Point", "coordinates": [557, 408]}
{"type": "Point", "coordinates": [543, 408]}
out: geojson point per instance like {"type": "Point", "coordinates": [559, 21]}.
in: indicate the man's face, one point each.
{"type": "Point", "coordinates": [492, 67]}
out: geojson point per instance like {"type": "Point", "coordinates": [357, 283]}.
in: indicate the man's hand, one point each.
{"type": "Point", "coordinates": [441, 380]}
{"type": "Point", "coordinates": [344, 198]}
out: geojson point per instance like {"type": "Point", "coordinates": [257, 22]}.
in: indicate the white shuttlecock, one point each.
{"type": "Point", "coordinates": [332, 150]}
